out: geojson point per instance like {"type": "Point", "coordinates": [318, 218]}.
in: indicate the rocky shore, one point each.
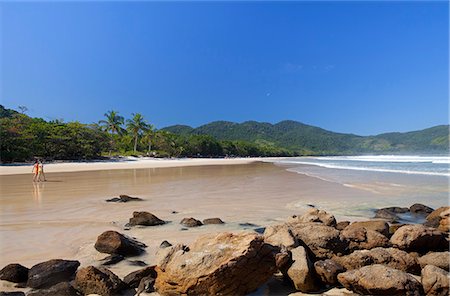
{"type": "Point", "coordinates": [309, 253]}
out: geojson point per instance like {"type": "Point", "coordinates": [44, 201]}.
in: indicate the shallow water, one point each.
{"type": "Point", "coordinates": [62, 218]}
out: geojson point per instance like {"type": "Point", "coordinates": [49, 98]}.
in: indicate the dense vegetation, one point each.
{"type": "Point", "coordinates": [309, 140]}
{"type": "Point", "coordinates": [23, 138]}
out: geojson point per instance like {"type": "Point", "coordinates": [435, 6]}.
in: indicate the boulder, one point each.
{"type": "Point", "coordinates": [124, 198]}
{"type": "Point", "coordinates": [341, 225]}
{"type": "Point", "coordinates": [145, 219]}
{"type": "Point", "coordinates": [391, 257]}
{"type": "Point", "coordinates": [60, 289]}
{"type": "Point", "coordinates": [146, 285]}
{"type": "Point", "coordinates": [281, 236]}
{"type": "Point", "coordinates": [49, 273]}
{"type": "Point", "coordinates": [225, 264]}
{"type": "Point", "coordinates": [396, 210]}
{"type": "Point", "coordinates": [314, 215]}
{"type": "Point", "coordinates": [165, 244]}
{"type": "Point", "coordinates": [418, 238]}
{"type": "Point", "coordinates": [13, 293]}
{"type": "Point", "coordinates": [393, 228]}
{"type": "Point", "coordinates": [438, 259]}
{"type": "Point", "coordinates": [113, 242]}
{"type": "Point", "coordinates": [327, 270]}
{"type": "Point", "coordinates": [301, 272]}
{"type": "Point", "coordinates": [213, 221]}
{"type": "Point", "coordinates": [437, 213]}
{"type": "Point", "coordinates": [435, 281]}
{"type": "Point", "coordinates": [386, 215]}
{"type": "Point", "coordinates": [190, 222]}
{"type": "Point", "coordinates": [376, 225]}
{"type": "Point", "coordinates": [324, 241]}
{"type": "Point", "coordinates": [91, 280]}
{"type": "Point", "coordinates": [362, 238]}
{"type": "Point", "coordinates": [15, 273]}
{"type": "Point", "coordinates": [133, 279]}
{"type": "Point", "coordinates": [112, 259]}
{"type": "Point", "coordinates": [420, 209]}
{"type": "Point", "coordinates": [380, 280]}
{"type": "Point", "coordinates": [444, 223]}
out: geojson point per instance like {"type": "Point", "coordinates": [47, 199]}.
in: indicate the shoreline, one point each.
{"type": "Point", "coordinates": [129, 163]}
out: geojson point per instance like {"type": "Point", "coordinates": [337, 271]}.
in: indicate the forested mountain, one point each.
{"type": "Point", "coordinates": [307, 139]}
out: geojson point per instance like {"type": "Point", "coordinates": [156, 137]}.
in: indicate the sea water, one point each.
{"type": "Point", "coordinates": [393, 180]}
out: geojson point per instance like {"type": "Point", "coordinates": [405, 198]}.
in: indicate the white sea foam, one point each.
{"type": "Point", "coordinates": [390, 158]}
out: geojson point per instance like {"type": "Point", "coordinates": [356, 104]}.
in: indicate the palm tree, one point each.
{"type": "Point", "coordinates": [136, 126]}
{"type": "Point", "coordinates": [112, 124]}
{"type": "Point", "coordinates": [148, 136]}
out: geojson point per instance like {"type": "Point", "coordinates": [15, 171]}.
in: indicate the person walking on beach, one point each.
{"type": "Point", "coordinates": [35, 171]}
{"type": "Point", "coordinates": [41, 171]}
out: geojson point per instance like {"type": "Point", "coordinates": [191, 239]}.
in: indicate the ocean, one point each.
{"type": "Point", "coordinates": [393, 180]}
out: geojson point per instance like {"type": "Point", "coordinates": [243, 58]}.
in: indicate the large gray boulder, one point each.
{"type": "Point", "coordinates": [301, 272]}
{"type": "Point", "coordinates": [216, 264]}
{"type": "Point", "coordinates": [49, 273]}
{"type": "Point", "coordinates": [380, 280]}
{"type": "Point", "coordinates": [435, 281]}
{"type": "Point", "coordinates": [418, 238]}
{"type": "Point", "coordinates": [391, 257]}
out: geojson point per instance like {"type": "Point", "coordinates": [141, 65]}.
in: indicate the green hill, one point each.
{"type": "Point", "coordinates": [307, 139]}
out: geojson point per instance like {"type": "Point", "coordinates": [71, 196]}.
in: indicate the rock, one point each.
{"type": "Point", "coordinates": [145, 219]}
{"type": "Point", "coordinates": [314, 215]}
{"type": "Point", "coordinates": [14, 293]}
{"type": "Point", "coordinates": [60, 289]}
{"type": "Point", "coordinates": [391, 257]}
{"type": "Point", "coordinates": [327, 270]}
{"type": "Point", "coordinates": [324, 241]}
{"type": "Point", "coordinates": [91, 280]}
{"type": "Point", "coordinates": [283, 260]}
{"type": "Point", "coordinates": [112, 259]}
{"type": "Point", "coordinates": [15, 273]}
{"type": "Point", "coordinates": [49, 273]}
{"type": "Point", "coordinates": [418, 238]}
{"type": "Point", "coordinates": [387, 215]}
{"type": "Point", "coordinates": [341, 225]}
{"type": "Point", "coordinates": [225, 263]}
{"type": "Point", "coordinates": [213, 221]}
{"type": "Point", "coordinates": [165, 244]}
{"type": "Point", "coordinates": [137, 263]}
{"type": "Point", "coordinates": [362, 238]}
{"type": "Point", "coordinates": [124, 198]}
{"type": "Point", "coordinates": [396, 210]}
{"type": "Point", "coordinates": [133, 279]}
{"type": "Point", "coordinates": [380, 280]}
{"type": "Point", "coordinates": [420, 209]}
{"type": "Point", "coordinates": [146, 285]}
{"type": "Point", "coordinates": [377, 225]}
{"type": "Point", "coordinates": [281, 236]}
{"type": "Point", "coordinates": [190, 222]}
{"type": "Point", "coordinates": [435, 281]}
{"type": "Point", "coordinates": [438, 259]}
{"type": "Point", "coordinates": [174, 212]}
{"type": "Point", "coordinates": [259, 230]}
{"type": "Point", "coordinates": [247, 225]}
{"type": "Point", "coordinates": [432, 222]}
{"type": "Point", "coordinates": [393, 228]}
{"type": "Point", "coordinates": [437, 213]}
{"type": "Point", "coordinates": [112, 242]}
{"type": "Point", "coordinates": [444, 223]}
{"type": "Point", "coordinates": [302, 272]}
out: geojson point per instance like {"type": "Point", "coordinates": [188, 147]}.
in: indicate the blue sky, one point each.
{"type": "Point", "coordinates": [357, 67]}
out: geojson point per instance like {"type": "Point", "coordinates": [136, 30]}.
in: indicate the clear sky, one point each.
{"type": "Point", "coordinates": [357, 67]}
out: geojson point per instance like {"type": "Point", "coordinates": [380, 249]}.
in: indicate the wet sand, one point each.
{"type": "Point", "coordinates": [62, 218]}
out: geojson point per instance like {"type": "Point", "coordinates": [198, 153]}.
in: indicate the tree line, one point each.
{"type": "Point", "coordinates": [24, 138]}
